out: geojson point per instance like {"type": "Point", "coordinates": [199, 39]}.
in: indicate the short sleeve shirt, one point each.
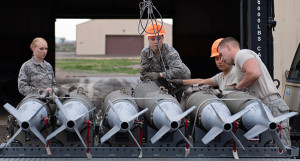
{"type": "Point", "coordinates": [264, 86]}
{"type": "Point", "coordinates": [223, 81]}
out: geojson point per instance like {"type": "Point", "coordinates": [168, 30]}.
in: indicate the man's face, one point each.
{"type": "Point", "coordinates": [220, 64]}
{"type": "Point", "coordinates": [153, 42]}
{"type": "Point", "coordinates": [226, 55]}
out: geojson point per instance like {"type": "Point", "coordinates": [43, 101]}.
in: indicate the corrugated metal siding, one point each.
{"type": "Point", "coordinates": [124, 45]}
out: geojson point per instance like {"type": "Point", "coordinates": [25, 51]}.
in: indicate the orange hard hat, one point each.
{"type": "Point", "coordinates": [153, 28]}
{"type": "Point", "coordinates": [214, 48]}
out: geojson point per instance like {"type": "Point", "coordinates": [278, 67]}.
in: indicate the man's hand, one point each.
{"type": "Point", "coordinates": [175, 81]}
{"type": "Point", "coordinates": [232, 88]}
{"type": "Point", "coordinates": [47, 89]}
{"type": "Point", "coordinates": [152, 75]}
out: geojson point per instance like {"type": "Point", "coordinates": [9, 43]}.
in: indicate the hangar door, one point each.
{"type": "Point", "coordinates": [124, 45]}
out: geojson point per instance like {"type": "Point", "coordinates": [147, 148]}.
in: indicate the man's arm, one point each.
{"type": "Point", "coordinates": [252, 73]}
{"type": "Point", "coordinates": [177, 69]}
{"type": "Point", "coordinates": [144, 62]}
{"type": "Point", "coordinates": [189, 82]}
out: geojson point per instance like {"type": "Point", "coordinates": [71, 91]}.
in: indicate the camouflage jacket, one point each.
{"type": "Point", "coordinates": [34, 76]}
{"type": "Point", "coordinates": [175, 68]}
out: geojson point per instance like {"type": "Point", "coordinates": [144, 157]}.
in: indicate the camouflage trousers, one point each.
{"type": "Point", "coordinates": [279, 107]}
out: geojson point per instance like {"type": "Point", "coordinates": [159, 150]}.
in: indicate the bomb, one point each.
{"type": "Point", "coordinates": [73, 113]}
{"type": "Point", "coordinates": [165, 113]}
{"type": "Point", "coordinates": [259, 119]}
{"type": "Point", "coordinates": [213, 114]}
{"type": "Point", "coordinates": [30, 115]}
{"type": "Point", "coordinates": [120, 112]}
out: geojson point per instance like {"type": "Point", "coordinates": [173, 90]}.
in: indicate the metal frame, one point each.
{"type": "Point", "coordinates": [148, 152]}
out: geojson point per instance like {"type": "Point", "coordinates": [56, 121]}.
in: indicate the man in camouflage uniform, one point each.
{"type": "Point", "coordinates": [160, 64]}
{"type": "Point", "coordinates": [36, 74]}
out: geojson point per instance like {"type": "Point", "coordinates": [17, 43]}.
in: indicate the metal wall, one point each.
{"type": "Point", "coordinates": [197, 24]}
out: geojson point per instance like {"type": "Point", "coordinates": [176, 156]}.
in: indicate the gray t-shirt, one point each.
{"type": "Point", "coordinates": [222, 81]}
{"type": "Point", "coordinates": [264, 86]}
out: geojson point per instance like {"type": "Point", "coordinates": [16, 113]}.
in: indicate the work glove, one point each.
{"type": "Point", "coordinates": [152, 75]}
{"type": "Point", "coordinates": [175, 81]}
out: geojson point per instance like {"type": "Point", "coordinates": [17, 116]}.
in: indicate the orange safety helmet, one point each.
{"type": "Point", "coordinates": [153, 28]}
{"type": "Point", "coordinates": [214, 48]}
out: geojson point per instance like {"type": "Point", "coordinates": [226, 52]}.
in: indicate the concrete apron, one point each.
{"type": "Point", "coordinates": [98, 87]}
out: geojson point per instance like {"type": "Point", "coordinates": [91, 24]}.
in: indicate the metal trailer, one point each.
{"type": "Point", "coordinates": [172, 143]}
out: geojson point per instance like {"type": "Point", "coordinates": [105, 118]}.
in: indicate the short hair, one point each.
{"type": "Point", "coordinates": [229, 40]}
{"type": "Point", "coordinates": [35, 41]}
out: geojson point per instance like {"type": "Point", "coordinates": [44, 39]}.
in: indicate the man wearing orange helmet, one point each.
{"type": "Point", "coordinates": [159, 61]}
{"type": "Point", "coordinates": [224, 79]}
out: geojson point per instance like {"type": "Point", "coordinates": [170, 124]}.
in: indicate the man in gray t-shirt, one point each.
{"type": "Point", "coordinates": [224, 79]}
{"type": "Point", "coordinates": [254, 75]}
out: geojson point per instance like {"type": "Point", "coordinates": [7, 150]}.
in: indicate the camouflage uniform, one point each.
{"type": "Point", "coordinates": [175, 68]}
{"type": "Point", "coordinates": [34, 77]}
{"type": "Point", "coordinates": [279, 107]}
